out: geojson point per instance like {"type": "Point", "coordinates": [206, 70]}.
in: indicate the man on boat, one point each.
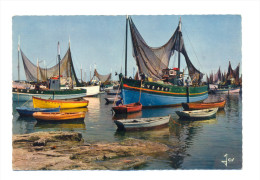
{"type": "Point", "coordinates": [187, 81]}
{"type": "Point", "coordinates": [119, 102]}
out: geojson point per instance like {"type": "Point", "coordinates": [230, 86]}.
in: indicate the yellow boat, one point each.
{"type": "Point", "coordinates": [63, 104]}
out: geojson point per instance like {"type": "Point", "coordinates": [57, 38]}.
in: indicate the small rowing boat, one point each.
{"type": "Point", "coordinates": [112, 99]}
{"type": "Point", "coordinates": [204, 105]}
{"type": "Point", "coordinates": [57, 116]}
{"type": "Point", "coordinates": [128, 108]}
{"type": "Point", "coordinates": [227, 90]}
{"type": "Point", "coordinates": [142, 123]}
{"type": "Point", "coordinates": [26, 111]}
{"type": "Point", "coordinates": [63, 104]}
{"type": "Point", "coordinates": [197, 114]}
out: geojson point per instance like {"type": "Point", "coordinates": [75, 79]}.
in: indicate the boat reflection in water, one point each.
{"type": "Point", "coordinates": [78, 124]}
{"type": "Point", "coordinates": [127, 116]}
{"type": "Point", "coordinates": [182, 135]}
{"type": "Point", "coordinates": [197, 122]}
{"type": "Point", "coordinates": [68, 124]}
{"type": "Point", "coordinates": [221, 113]}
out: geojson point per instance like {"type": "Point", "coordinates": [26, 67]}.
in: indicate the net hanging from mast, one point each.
{"type": "Point", "coordinates": [151, 61]}
{"type": "Point", "coordinates": [233, 73]}
{"type": "Point", "coordinates": [67, 71]}
{"type": "Point", "coordinates": [102, 78]}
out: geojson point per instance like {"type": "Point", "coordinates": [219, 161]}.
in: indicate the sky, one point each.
{"type": "Point", "coordinates": [211, 41]}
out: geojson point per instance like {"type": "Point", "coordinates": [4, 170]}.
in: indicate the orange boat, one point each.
{"type": "Point", "coordinates": [58, 116]}
{"type": "Point", "coordinates": [204, 105]}
{"type": "Point", "coordinates": [128, 108]}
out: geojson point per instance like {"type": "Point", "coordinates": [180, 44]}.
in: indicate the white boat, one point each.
{"type": "Point", "coordinates": [228, 90]}
{"type": "Point", "coordinates": [197, 114]}
{"type": "Point", "coordinates": [112, 99]}
{"type": "Point", "coordinates": [142, 123]}
{"type": "Point", "coordinates": [90, 90]}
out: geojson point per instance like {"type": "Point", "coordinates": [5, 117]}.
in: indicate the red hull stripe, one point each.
{"type": "Point", "coordinates": [142, 89]}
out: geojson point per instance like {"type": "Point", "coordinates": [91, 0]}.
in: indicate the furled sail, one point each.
{"type": "Point", "coordinates": [151, 61]}
{"type": "Point", "coordinates": [67, 71]}
{"type": "Point", "coordinates": [102, 78]}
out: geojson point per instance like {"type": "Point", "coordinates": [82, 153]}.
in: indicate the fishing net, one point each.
{"type": "Point", "coordinates": [217, 77]}
{"type": "Point", "coordinates": [233, 73]}
{"type": "Point", "coordinates": [67, 71]}
{"type": "Point", "coordinates": [151, 61]}
{"type": "Point", "coordinates": [102, 78]}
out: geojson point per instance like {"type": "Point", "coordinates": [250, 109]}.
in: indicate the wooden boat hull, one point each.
{"type": "Point", "coordinates": [58, 117]}
{"type": "Point", "coordinates": [90, 90]}
{"type": "Point", "coordinates": [25, 111]}
{"type": "Point", "coordinates": [129, 108]}
{"type": "Point", "coordinates": [142, 123]}
{"type": "Point", "coordinates": [74, 110]}
{"type": "Point", "coordinates": [226, 91]}
{"type": "Point", "coordinates": [158, 95]}
{"type": "Point", "coordinates": [111, 99]}
{"type": "Point", "coordinates": [195, 106]}
{"type": "Point", "coordinates": [26, 94]}
{"type": "Point", "coordinates": [63, 104]}
{"type": "Point", "coordinates": [197, 114]}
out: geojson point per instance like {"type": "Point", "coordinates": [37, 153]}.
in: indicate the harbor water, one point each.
{"type": "Point", "coordinates": [207, 144]}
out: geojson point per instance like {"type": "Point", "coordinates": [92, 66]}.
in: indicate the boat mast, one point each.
{"type": "Point", "coordinates": [89, 73]}
{"type": "Point", "coordinates": [70, 67]}
{"type": "Point", "coordinates": [126, 45]}
{"type": "Point", "coordinates": [18, 59]}
{"type": "Point", "coordinates": [81, 73]}
{"type": "Point", "coordinates": [37, 70]}
{"type": "Point", "coordinates": [179, 53]}
{"type": "Point", "coordinates": [59, 61]}
{"type": "Point", "coordinates": [45, 70]}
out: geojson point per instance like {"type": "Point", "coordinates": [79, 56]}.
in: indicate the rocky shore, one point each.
{"type": "Point", "coordinates": [68, 151]}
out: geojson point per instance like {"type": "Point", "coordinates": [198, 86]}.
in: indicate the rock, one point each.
{"type": "Point", "coordinates": [67, 151]}
{"type": "Point", "coordinates": [40, 142]}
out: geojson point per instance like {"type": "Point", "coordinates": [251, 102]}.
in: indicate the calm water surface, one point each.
{"type": "Point", "coordinates": [193, 145]}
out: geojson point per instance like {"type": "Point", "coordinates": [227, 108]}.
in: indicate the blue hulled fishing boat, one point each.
{"type": "Point", "coordinates": [159, 85]}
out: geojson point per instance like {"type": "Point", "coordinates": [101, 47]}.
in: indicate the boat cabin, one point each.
{"type": "Point", "coordinates": [172, 75]}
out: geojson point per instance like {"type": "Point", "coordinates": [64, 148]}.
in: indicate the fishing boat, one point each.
{"type": "Point", "coordinates": [58, 116]}
{"type": "Point", "coordinates": [161, 86]}
{"type": "Point", "coordinates": [128, 108]}
{"type": "Point", "coordinates": [225, 83]}
{"type": "Point", "coordinates": [142, 123]}
{"type": "Point", "coordinates": [63, 104]}
{"type": "Point", "coordinates": [60, 75]}
{"type": "Point", "coordinates": [26, 94]}
{"type": "Point", "coordinates": [204, 105]}
{"type": "Point", "coordinates": [26, 111]}
{"type": "Point", "coordinates": [197, 114]}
